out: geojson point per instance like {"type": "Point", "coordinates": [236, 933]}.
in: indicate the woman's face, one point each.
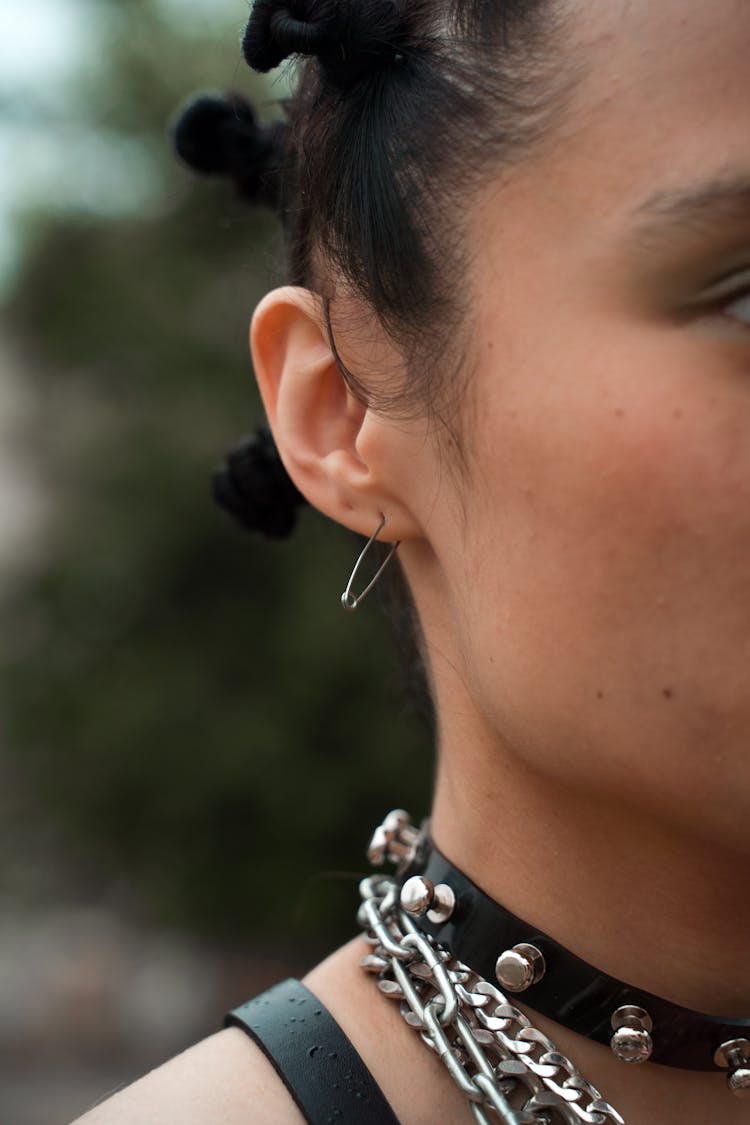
{"type": "Point", "coordinates": [600, 571]}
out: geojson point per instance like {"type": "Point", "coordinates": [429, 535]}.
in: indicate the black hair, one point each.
{"type": "Point", "coordinates": [401, 109]}
{"type": "Point", "coordinates": [254, 487]}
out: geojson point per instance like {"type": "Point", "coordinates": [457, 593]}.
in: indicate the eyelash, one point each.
{"type": "Point", "coordinates": [740, 296]}
{"type": "Point", "coordinates": [723, 294]}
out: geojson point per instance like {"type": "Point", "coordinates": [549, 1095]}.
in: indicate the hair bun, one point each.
{"type": "Point", "coordinates": [277, 30]}
{"type": "Point", "coordinates": [254, 487]}
{"type": "Point", "coordinates": [221, 137]}
{"type": "Point", "coordinates": [350, 39]}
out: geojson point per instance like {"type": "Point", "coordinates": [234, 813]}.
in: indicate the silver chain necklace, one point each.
{"type": "Point", "coordinates": [505, 1067]}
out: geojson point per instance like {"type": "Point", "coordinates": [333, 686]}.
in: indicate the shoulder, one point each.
{"type": "Point", "coordinates": [224, 1078]}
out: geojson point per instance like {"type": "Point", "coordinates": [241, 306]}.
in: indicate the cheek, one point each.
{"type": "Point", "coordinates": [609, 556]}
{"type": "Point", "coordinates": [621, 475]}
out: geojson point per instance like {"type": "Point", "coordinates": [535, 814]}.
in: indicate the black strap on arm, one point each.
{"type": "Point", "coordinates": [314, 1059]}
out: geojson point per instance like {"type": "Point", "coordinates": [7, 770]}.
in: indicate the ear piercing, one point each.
{"type": "Point", "coordinates": [351, 601]}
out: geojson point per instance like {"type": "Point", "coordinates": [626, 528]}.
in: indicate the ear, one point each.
{"type": "Point", "coordinates": [321, 429]}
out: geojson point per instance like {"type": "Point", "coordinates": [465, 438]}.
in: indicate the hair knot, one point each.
{"type": "Point", "coordinates": [222, 137]}
{"type": "Point", "coordinates": [254, 487]}
{"type": "Point", "coordinates": [350, 40]}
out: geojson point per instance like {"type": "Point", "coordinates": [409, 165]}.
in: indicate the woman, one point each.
{"type": "Point", "coordinates": [518, 344]}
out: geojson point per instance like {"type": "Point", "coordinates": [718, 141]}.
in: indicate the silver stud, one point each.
{"type": "Point", "coordinates": [443, 904]}
{"type": "Point", "coordinates": [417, 894]}
{"type": "Point", "coordinates": [632, 1042]}
{"type": "Point", "coordinates": [739, 1082]}
{"type": "Point", "coordinates": [386, 835]}
{"type": "Point", "coordinates": [518, 968]}
{"type": "Point", "coordinates": [734, 1055]}
{"type": "Point", "coordinates": [377, 847]}
{"type": "Point", "coordinates": [420, 897]}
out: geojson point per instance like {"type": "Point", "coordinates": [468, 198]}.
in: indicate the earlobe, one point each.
{"type": "Point", "coordinates": [315, 418]}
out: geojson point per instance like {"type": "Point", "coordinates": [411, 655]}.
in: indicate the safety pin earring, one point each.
{"type": "Point", "coordinates": [352, 601]}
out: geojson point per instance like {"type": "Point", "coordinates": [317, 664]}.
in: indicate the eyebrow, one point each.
{"type": "Point", "coordinates": [703, 205]}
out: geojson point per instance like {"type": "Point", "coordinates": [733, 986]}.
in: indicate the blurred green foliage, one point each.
{"type": "Point", "coordinates": [186, 702]}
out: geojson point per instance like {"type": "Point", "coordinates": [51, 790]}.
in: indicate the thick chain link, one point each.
{"type": "Point", "coordinates": [506, 1068]}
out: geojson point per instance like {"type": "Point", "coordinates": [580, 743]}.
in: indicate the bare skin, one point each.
{"type": "Point", "coordinates": [584, 588]}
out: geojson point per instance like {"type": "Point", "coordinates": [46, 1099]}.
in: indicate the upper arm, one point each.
{"type": "Point", "coordinates": [225, 1078]}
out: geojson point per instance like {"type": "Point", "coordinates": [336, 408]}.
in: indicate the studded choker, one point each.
{"type": "Point", "coordinates": [637, 1025]}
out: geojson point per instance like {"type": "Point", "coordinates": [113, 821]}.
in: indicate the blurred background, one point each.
{"type": "Point", "coordinates": [195, 742]}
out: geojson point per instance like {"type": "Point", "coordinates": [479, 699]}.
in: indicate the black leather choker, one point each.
{"type": "Point", "coordinates": [637, 1025]}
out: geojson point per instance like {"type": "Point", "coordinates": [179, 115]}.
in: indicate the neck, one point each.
{"type": "Point", "coordinates": [639, 900]}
